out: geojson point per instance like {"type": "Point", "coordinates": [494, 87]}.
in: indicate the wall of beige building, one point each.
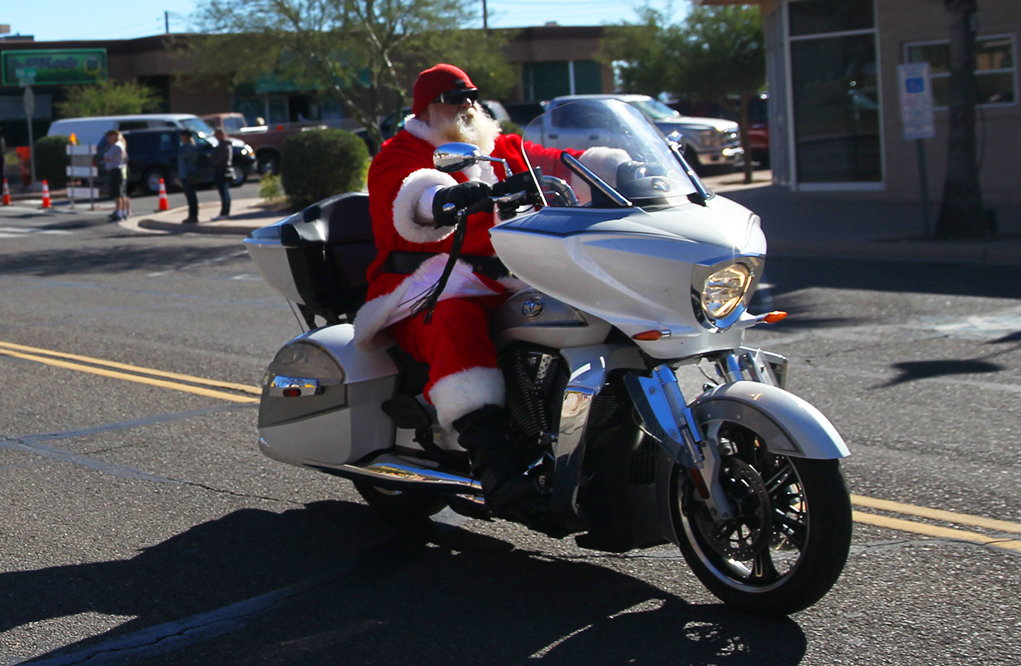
{"type": "Point", "coordinates": [998, 128]}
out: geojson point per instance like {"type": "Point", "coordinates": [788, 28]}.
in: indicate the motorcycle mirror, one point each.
{"type": "Point", "coordinates": [451, 157]}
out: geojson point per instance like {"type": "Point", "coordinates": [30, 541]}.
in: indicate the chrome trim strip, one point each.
{"type": "Point", "coordinates": [391, 471]}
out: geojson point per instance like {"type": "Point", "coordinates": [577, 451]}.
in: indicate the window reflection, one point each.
{"type": "Point", "coordinates": [836, 114]}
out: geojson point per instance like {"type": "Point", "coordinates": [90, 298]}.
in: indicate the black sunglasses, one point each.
{"type": "Point", "coordinates": [457, 97]}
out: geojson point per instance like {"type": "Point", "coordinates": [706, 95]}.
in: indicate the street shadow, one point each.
{"type": "Point", "coordinates": [1010, 337]}
{"type": "Point", "coordinates": [914, 370]}
{"type": "Point", "coordinates": [429, 594]}
{"type": "Point", "coordinates": [115, 258]}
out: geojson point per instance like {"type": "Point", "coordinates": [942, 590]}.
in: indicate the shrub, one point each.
{"type": "Point", "coordinates": [51, 160]}
{"type": "Point", "coordinates": [320, 163]}
{"type": "Point", "coordinates": [270, 189]}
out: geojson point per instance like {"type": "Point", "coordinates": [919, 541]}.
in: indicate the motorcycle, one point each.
{"type": "Point", "coordinates": [633, 280]}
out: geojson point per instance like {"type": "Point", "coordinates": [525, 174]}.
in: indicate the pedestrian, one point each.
{"type": "Point", "coordinates": [188, 173]}
{"type": "Point", "coordinates": [115, 160]}
{"type": "Point", "coordinates": [223, 172]}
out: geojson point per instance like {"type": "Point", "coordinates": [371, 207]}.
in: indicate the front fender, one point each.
{"type": "Point", "coordinates": [789, 425]}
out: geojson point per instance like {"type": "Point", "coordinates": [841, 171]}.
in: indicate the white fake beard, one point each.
{"type": "Point", "coordinates": [470, 126]}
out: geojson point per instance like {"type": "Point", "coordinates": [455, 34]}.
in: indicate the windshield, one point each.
{"type": "Point", "coordinates": [655, 110]}
{"type": "Point", "coordinates": [620, 146]}
{"type": "Point", "coordinates": [198, 126]}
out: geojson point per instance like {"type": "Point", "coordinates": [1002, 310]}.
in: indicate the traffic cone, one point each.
{"type": "Point", "coordinates": [164, 204]}
{"type": "Point", "coordinates": [46, 195]}
{"type": "Point", "coordinates": [7, 194]}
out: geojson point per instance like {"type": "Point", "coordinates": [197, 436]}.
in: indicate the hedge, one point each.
{"type": "Point", "coordinates": [51, 160]}
{"type": "Point", "coordinates": [316, 164]}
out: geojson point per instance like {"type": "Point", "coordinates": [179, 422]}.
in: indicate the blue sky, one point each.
{"type": "Point", "coordinates": [52, 20]}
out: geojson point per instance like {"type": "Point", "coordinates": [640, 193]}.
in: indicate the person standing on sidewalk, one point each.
{"type": "Point", "coordinates": [223, 172]}
{"type": "Point", "coordinates": [188, 173]}
{"type": "Point", "coordinates": [115, 160]}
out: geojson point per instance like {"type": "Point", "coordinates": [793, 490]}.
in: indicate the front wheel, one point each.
{"type": "Point", "coordinates": [790, 537]}
{"type": "Point", "coordinates": [397, 504]}
{"type": "Point", "coordinates": [240, 176]}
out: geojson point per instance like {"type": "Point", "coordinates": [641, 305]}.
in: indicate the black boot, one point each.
{"type": "Point", "coordinates": [495, 462]}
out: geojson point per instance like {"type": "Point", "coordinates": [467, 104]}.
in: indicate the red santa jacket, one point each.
{"type": "Point", "coordinates": [400, 175]}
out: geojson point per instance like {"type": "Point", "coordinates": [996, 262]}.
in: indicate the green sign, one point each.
{"type": "Point", "coordinates": [56, 67]}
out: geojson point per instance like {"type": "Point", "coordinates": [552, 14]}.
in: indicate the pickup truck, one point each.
{"type": "Point", "coordinates": [266, 141]}
{"type": "Point", "coordinates": [710, 143]}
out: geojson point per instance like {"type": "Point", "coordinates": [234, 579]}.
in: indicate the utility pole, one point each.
{"type": "Point", "coordinates": [166, 22]}
{"type": "Point", "coordinates": [485, 17]}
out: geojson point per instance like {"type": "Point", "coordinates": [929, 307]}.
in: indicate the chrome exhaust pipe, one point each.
{"type": "Point", "coordinates": [394, 473]}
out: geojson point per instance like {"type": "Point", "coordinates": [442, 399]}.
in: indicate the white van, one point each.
{"type": "Point", "coordinates": [92, 130]}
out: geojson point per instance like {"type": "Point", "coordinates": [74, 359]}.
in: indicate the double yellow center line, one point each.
{"type": "Point", "coordinates": [132, 373]}
{"type": "Point", "coordinates": [227, 391]}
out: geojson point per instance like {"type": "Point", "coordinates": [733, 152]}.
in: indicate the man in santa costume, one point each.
{"type": "Point", "coordinates": [412, 220]}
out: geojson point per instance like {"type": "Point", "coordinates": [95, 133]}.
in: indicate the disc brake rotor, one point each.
{"type": "Point", "coordinates": [748, 533]}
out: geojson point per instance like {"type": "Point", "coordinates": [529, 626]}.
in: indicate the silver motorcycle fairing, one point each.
{"type": "Point", "coordinates": [537, 318]}
{"type": "Point", "coordinates": [637, 269]}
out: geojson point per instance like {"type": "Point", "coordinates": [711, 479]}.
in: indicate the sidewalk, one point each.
{"type": "Point", "coordinates": [836, 224]}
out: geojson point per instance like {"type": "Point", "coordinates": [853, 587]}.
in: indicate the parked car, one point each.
{"type": "Point", "coordinates": [266, 142]}
{"type": "Point", "coordinates": [152, 155]}
{"type": "Point", "coordinates": [710, 143]}
{"type": "Point", "coordinates": [92, 130]}
{"type": "Point", "coordinates": [758, 121]}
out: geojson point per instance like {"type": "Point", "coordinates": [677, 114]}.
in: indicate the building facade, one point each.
{"type": "Point", "coordinates": [835, 95]}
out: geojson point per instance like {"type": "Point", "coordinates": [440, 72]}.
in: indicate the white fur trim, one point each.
{"type": "Point", "coordinates": [421, 129]}
{"type": "Point", "coordinates": [387, 309]}
{"type": "Point", "coordinates": [463, 392]}
{"type": "Point", "coordinates": [604, 161]}
{"type": "Point", "coordinates": [406, 220]}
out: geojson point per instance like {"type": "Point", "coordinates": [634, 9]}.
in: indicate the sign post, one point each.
{"type": "Point", "coordinates": [918, 115]}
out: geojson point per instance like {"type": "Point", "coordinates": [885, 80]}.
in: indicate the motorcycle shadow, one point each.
{"type": "Point", "coordinates": [428, 593]}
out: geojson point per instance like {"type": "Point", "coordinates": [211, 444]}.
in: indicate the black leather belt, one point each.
{"type": "Point", "coordinates": [404, 263]}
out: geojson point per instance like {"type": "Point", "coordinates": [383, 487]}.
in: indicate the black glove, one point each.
{"type": "Point", "coordinates": [449, 200]}
{"type": "Point", "coordinates": [630, 170]}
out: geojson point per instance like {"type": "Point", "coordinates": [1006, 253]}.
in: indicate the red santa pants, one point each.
{"type": "Point", "coordinates": [463, 375]}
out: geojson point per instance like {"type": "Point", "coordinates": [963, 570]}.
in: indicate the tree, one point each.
{"type": "Point", "coordinates": [716, 53]}
{"type": "Point", "coordinates": [364, 53]}
{"type": "Point", "coordinates": [962, 213]}
{"type": "Point", "coordinates": [107, 98]}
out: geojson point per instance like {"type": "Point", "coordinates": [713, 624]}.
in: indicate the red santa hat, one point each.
{"type": "Point", "coordinates": [435, 81]}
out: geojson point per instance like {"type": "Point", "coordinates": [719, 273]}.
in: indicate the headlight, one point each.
{"type": "Point", "coordinates": [724, 290]}
{"type": "Point", "coordinates": [709, 137]}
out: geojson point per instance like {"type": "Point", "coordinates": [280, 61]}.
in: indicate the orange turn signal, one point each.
{"type": "Point", "coordinates": [774, 317]}
{"type": "Point", "coordinates": [648, 336]}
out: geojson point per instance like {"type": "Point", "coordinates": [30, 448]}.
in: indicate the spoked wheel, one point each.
{"type": "Point", "coordinates": [397, 504]}
{"type": "Point", "coordinates": [789, 538]}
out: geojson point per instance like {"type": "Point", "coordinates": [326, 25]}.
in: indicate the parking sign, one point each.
{"type": "Point", "coordinates": [917, 111]}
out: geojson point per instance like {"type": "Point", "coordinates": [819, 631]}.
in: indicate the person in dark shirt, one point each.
{"type": "Point", "coordinates": [188, 173]}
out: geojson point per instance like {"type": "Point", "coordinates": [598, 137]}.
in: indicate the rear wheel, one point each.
{"type": "Point", "coordinates": [789, 539]}
{"type": "Point", "coordinates": [397, 504]}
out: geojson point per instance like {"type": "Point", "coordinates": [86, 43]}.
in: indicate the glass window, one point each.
{"type": "Point", "coordinates": [836, 110]}
{"type": "Point", "coordinates": [994, 69]}
{"type": "Point", "coordinates": [815, 17]}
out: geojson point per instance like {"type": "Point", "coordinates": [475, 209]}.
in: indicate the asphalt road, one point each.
{"type": "Point", "coordinates": [141, 525]}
